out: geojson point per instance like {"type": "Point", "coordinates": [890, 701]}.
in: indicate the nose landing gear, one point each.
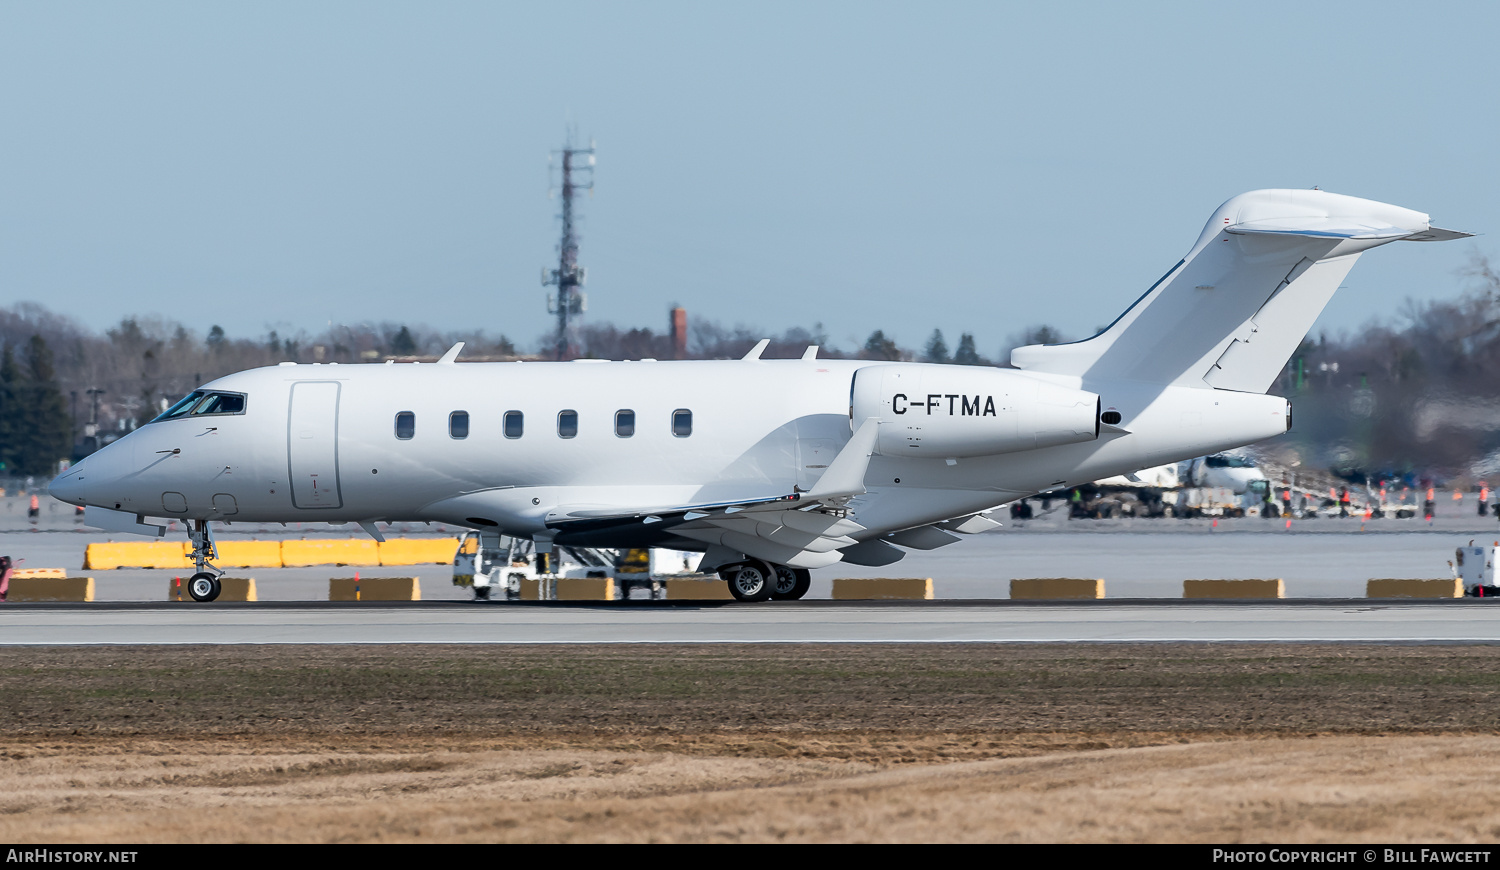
{"type": "Point", "coordinates": [204, 585]}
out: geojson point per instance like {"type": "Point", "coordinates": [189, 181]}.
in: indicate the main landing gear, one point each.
{"type": "Point", "coordinates": [204, 585]}
{"type": "Point", "coordinates": [754, 580]}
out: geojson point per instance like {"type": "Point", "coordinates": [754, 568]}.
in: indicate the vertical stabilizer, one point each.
{"type": "Point", "coordinates": [1231, 313]}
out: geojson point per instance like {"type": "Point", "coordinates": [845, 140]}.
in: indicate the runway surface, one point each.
{"type": "Point", "coordinates": [1456, 621]}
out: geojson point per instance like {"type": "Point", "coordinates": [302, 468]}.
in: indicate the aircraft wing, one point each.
{"type": "Point", "coordinates": [584, 517]}
{"type": "Point", "coordinates": [791, 529]}
{"type": "Point", "coordinates": [803, 530]}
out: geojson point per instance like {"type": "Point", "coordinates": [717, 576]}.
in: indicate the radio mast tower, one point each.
{"type": "Point", "coordinates": [569, 303]}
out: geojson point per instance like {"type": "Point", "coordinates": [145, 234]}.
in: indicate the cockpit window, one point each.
{"type": "Point", "coordinates": [221, 403]}
{"type": "Point", "coordinates": [182, 407]}
{"type": "Point", "coordinates": [200, 403]}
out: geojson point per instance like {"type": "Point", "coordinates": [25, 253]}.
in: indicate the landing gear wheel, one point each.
{"type": "Point", "coordinates": [791, 583]}
{"type": "Point", "coordinates": [750, 581]}
{"type": "Point", "coordinates": [204, 586]}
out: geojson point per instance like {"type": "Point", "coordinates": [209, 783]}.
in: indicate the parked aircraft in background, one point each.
{"type": "Point", "coordinates": [1233, 471]}
{"type": "Point", "coordinates": [770, 468]}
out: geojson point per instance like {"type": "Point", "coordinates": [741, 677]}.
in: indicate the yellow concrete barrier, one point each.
{"type": "Point", "coordinates": [694, 589]}
{"type": "Point", "coordinates": [1233, 589]}
{"type": "Point", "coordinates": [375, 589]}
{"type": "Point", "coordinates": [28, 573]}
{"type": "Point", "coordinates": [248, 554]}
{"type": "Point", "coordinates": [1042, 588]}
{"type": "Point", "coordinates": [329, 551]}
{"type": "Point", "coordinates": [874, 588]}
{"type": "Point", "coordinates": [137, 554]}
{"type": "Point", "coordinates": [1395, 588]}
{"type": "Point", "coordinates": [417, 551]}
{"type": "Point", "coordinates": [230, 589]}
{"type": "Point", "coordinates": [51, 589]}
{"type": "Point", "coordinates": [585, 589]}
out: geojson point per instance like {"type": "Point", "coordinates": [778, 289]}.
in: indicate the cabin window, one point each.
{"type": "Point", "coordinates": [624, 423]}
{"type": "Point", "coordinates": [406, 425]}
{"type": "Point", "coordinates": [458, 424]}
{"type": "Point", "coordinates": [515, 423]}
{"type": "Point", "coordinates": [567, 424]}
{"type": "Point", "coordinates": [682, 423]}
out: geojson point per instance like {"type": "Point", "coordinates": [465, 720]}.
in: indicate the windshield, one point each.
{"type": "Point", "coordinates": [182, 407]}
{"type": "Point", "coordinates": [1222, 461]}
{"type": "Point", "coordinates": [201, 403]}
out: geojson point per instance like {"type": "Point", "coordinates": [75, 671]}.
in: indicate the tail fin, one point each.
{"type": "Point", "coordinates": [1231, 313]}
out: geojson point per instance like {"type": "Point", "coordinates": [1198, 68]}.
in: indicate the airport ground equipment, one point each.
{"type": "Point", "coordinates": [1418, 588]}
{"type": "Point", "coordinates": [882, 588]}
{"type": "Point", "coordinates": [1474, 567]}
{"type": "Point", "coordinates": [496, 566]}
{"type": "Point", "coordinates": [374, 589]}
{"type": "Point", "coordinates": [1233, 589]}
{"type": "Point", "coordinates": [501, 567]}
{"type": "Point", "coordinates": [1050, 588]}
{"type": "Point", "coordinates": [50, 589]}
{"type": "Point", "coordinates": [1213, 501]}
{"type": "Point", "coordinates": [1234, 483]}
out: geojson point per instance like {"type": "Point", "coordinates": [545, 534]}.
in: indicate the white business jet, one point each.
{"type": "Point", "coordinates": [770, 468]}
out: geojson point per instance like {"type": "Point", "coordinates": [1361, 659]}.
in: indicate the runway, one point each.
{"type": "Point", "coordinates": [1347, 621]}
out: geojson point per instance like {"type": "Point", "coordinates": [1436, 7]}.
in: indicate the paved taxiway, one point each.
{"type": "Point", "coordinates": [1454, 621]}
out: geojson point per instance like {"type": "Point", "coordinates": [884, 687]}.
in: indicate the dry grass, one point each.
{"type": "Point", "coordinates": [714, 743]}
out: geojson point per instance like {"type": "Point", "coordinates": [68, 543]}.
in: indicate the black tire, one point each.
{"type": "Point", "coordinates": [791, 583]}
{"type": "Point", "coordinates": [750, 581]}
{"type": "Point", "coordinates": [204, 586]}
{"type": "Point", "coordinates": [481, 593]}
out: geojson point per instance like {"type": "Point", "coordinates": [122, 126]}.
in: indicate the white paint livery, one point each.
{"type": "Point", "coordinates": [764, 465]}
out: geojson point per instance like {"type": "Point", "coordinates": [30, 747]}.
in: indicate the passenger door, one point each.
{"type": "Point", "coordinates": [312, 445]}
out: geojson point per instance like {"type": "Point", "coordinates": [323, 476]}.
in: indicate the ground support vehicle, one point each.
{"type": "Point", "coordinates": [1474, 566]}
{"type": "Point", "coordinates": [1212, 501]}
{"type": "Point", "coordinates": [496, 565]}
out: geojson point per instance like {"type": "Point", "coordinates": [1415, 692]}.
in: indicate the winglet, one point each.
{"type": "Point", "coordinates": [845, 476]}
{"type": "Point", "coordinates": [451, 355]}
{"type": "Point", "coordinates": [760, 348]}
{"type": "Point", "coordinates": [369, 525]}
{"type": "Point", "coordinates": [811, 352]}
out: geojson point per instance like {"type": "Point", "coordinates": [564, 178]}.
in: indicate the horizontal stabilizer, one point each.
{"type": "Point", "coordinates": [1317, 228]}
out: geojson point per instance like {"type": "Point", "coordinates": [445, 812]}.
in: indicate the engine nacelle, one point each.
{"type": "Point", "coordinates": [945, 411]}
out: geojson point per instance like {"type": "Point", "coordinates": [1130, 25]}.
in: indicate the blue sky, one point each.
{"type": "Point", "coordinates": [969, 167]}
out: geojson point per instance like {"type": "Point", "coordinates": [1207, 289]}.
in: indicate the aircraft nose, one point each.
{"type": "Point", "coordinates": [93, 480]}
{"type": "Point", "coordinates": [68, 486]}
